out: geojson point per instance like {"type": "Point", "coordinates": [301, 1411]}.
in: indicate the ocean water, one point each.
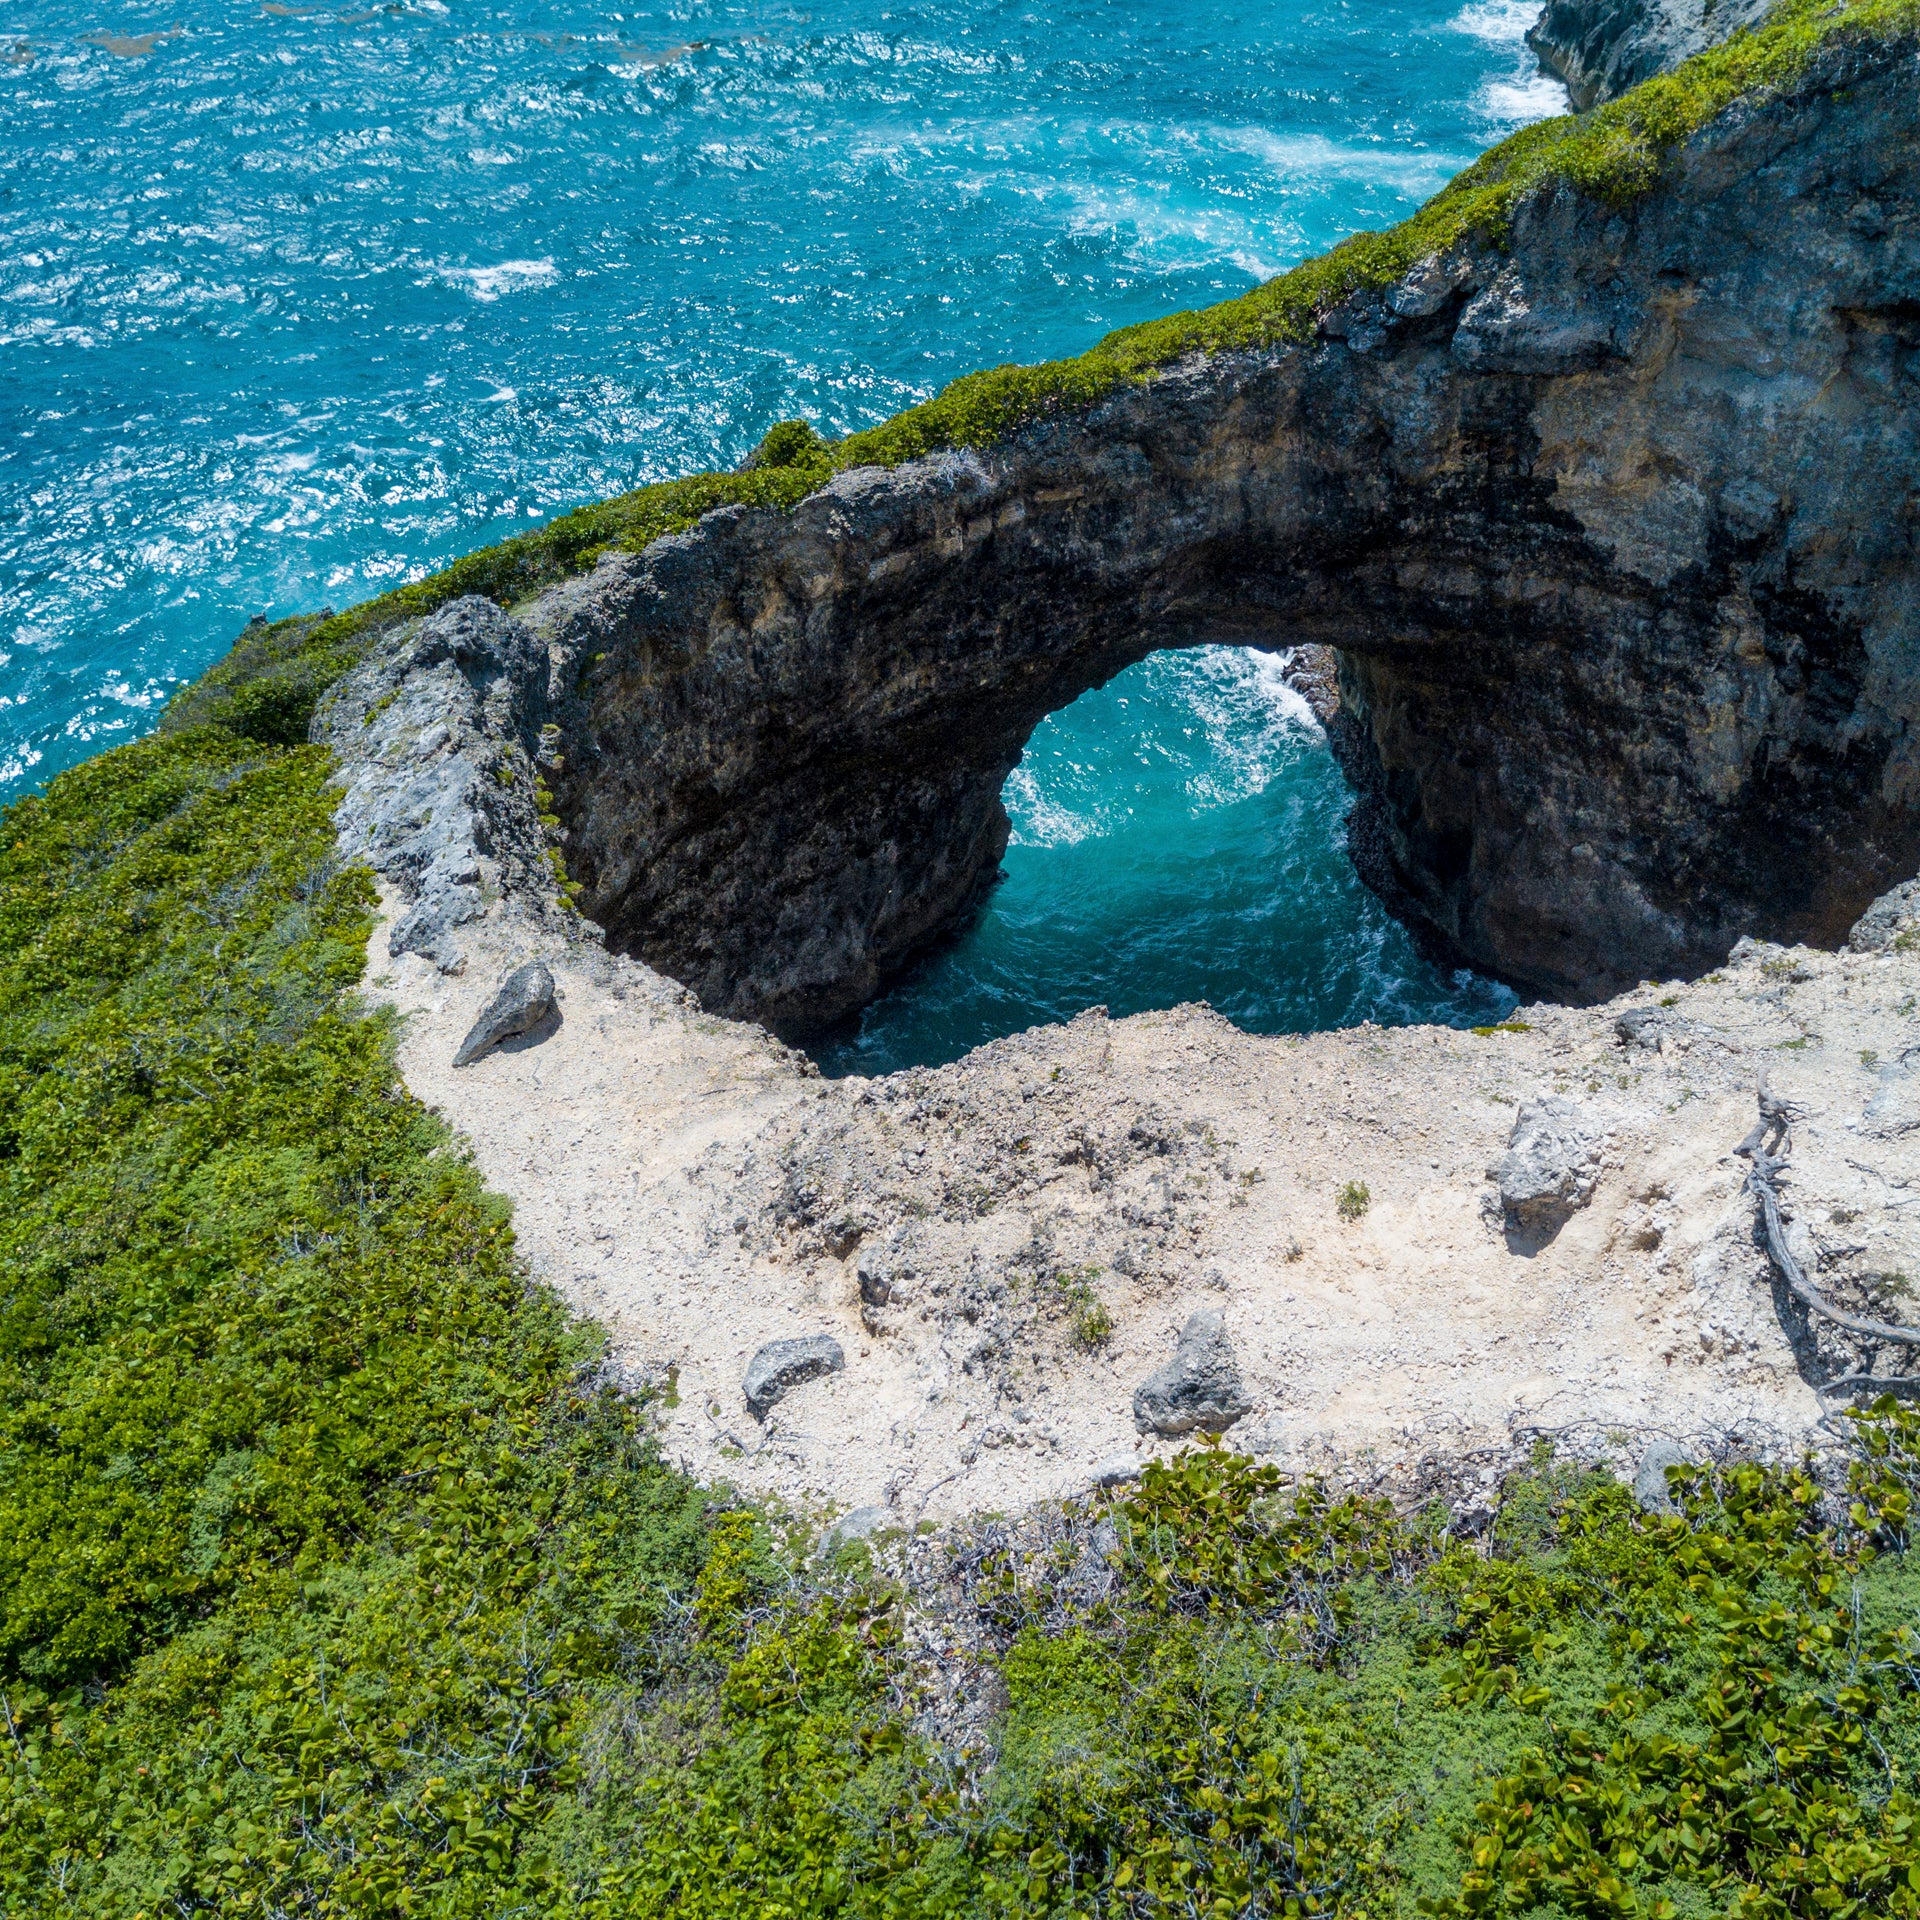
{"type": "Point", "coordinates": [298, 301]}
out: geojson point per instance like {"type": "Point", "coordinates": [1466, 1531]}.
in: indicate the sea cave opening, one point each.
{"type": "Point", "coordinates": [1177, 834]}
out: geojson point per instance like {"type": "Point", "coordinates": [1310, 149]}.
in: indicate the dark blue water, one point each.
{"type": "Point", "coordinates": [299, 301]}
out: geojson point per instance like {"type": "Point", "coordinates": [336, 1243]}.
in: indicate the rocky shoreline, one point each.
{"type": "Point", "coordinates": [1599, 529]}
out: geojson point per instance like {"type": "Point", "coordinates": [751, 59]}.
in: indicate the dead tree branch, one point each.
{"type": "Point", "coordinates": [1767, 1147]}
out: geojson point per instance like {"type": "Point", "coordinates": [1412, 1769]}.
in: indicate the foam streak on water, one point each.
{"type": "Point", "coordinates": [300, 301]}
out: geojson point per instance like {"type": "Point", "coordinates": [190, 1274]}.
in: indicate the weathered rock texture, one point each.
{"type": "Point", "coordinates": [706, 1196]}
{"type": "Point", "coordinates": [1615, 533]}
{"type": "Point", "coordinates": [1601, 48]}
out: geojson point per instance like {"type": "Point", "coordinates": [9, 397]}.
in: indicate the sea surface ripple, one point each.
{"type": "Point", "coordinates": [299, 301]}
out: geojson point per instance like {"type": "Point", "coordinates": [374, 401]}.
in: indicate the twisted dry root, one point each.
{"type": "Point", "coordinates": [1766, 1146]}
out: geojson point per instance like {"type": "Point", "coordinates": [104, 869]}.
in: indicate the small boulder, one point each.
{"type": "Point", "coordinates": [782, 1365]}
{"type": "Point", "coordinates": [1116, 1472]}
{"type": "Point", "coordinates": [1650, 1489]}
{"type": "Point", "coordinates": [861, 1524]}
{"type": "Point", "coordinates": [524, 1000]}
{"type": "Point", "coordinates": [1199, 1387]}
{"type": "Point", "coordinates": [1645, 1027]}
{"type": "Point", "coordinates": [1551, 1163]}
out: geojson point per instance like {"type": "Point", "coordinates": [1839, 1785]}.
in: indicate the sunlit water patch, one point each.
{"type": "Point", "coordinates": [300, 301]}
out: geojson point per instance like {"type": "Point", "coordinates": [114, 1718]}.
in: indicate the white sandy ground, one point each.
{"type": "Point", "coordinates": [699, 1189]}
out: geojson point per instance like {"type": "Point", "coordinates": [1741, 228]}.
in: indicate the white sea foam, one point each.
{"type": "Point", "coordinates": [1307, 157]}
{"type": "Point", "coordinates": [1500, 23]}
{"type": "Point", "coordinates": [488, 284]}
{"type": "Point", "coordinates": [1524, 98]}
{"type": "Point", "coordinates": [1038, 819]}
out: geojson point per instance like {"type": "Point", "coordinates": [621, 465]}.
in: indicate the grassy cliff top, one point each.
{"type": "Point", "coordinates": [1614, 154]}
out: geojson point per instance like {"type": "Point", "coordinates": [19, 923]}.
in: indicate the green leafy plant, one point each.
{"type": "Point", "coordinates": [1353, 1200]}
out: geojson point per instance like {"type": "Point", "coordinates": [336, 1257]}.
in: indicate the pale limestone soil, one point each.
{"type": "Point", "coordinates": [697, 1186]}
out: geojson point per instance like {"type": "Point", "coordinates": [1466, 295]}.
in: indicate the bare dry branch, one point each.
{"type": "Point", "coordinates": [1771, 1131]}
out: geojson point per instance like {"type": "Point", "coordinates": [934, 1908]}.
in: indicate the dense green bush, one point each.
{"type": "Point", "coordinates": [331, 1581]}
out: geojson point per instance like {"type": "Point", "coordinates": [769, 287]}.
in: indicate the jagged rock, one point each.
{"type": "Point", "coordinates": [876, 1284]}
{"type": "Point", "coordinates": [427, 927]}
{"type": "Point", "coordinates": [1199, 1387]}
{"type": "Point", "coordinates": [437, 735]}
{"type": "Point", "coordinates": [1895, 1106]}
{"type": "Point", "coordinates": [1896, 912]}
{"type": "Point", "coordinates": [1551, 1163]}
{"type": "Point", "coordinates": [1650, 1477]}
{"type": "Point", "coordinates": [525, 999]}
{"type": "Point", "coordinates": [1600, 48]}
{"type": "Point", "coordinates": [782, 1365]}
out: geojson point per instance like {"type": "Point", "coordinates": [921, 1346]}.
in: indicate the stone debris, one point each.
{"type": "Point", "coordinates": [782, 1365]}
{"type": "Point", "coordinates": [525, 999]}
{"type": "Point", "coordinates": [1650, 1477]}
{"type": "Point", "coordinates": [1551, 1163]}
{"type": "Point", "coordinates": [1045, 1213]}
{"type": "Point", "coordinates": [1198, 1388]}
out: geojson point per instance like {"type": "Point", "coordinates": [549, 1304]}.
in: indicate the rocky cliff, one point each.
{"type": "Point", "coordinates": [1601, 48]}
{"type": "Point", "coordinates": [1612, 527]}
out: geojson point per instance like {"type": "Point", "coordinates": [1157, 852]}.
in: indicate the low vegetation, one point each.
{"type": "Point", "coordinates": [333, 1581]}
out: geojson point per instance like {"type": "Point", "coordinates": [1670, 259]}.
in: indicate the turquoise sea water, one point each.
{"type": "Point", "coordinates": [298, 301]}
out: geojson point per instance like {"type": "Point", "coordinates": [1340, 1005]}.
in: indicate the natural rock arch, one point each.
{"type": "Point", "coordinates": [1614, 533]}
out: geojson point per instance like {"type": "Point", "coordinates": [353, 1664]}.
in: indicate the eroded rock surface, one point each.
{"type": "Point", "coordinates": [1601, 48]}
{"type": "Point", "coordinates": [1611, 531]}
{"type": "Point", "coordinates": [1551, 1163]}
{"type": "Point", "coordinates": [524, 998]}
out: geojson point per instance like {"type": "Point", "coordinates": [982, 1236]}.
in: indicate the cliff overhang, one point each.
{"type": "Point", "coordinates": [1610, 524]}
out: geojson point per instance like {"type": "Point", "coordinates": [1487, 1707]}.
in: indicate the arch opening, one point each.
{"type": "Point", "coordinates": [1176, 835]}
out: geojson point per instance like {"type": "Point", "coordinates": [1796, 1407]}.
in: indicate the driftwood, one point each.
{"type": "Point", "coordinates": [1767, 1146]}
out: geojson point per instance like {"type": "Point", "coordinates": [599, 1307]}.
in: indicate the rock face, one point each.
{"type": "Point", "coordinates": [1198, 1388]}
{"type": "Point", "coordinates": [781, 1365]}
{"type": "Point", "coordinates": [437, 736]}
{"type": "Point", "coordinates": [1600, 48]}
{"type": "Point", "coordinates": [1614, 532]}
{"type": "Point", "coordinates": [524, 999]}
